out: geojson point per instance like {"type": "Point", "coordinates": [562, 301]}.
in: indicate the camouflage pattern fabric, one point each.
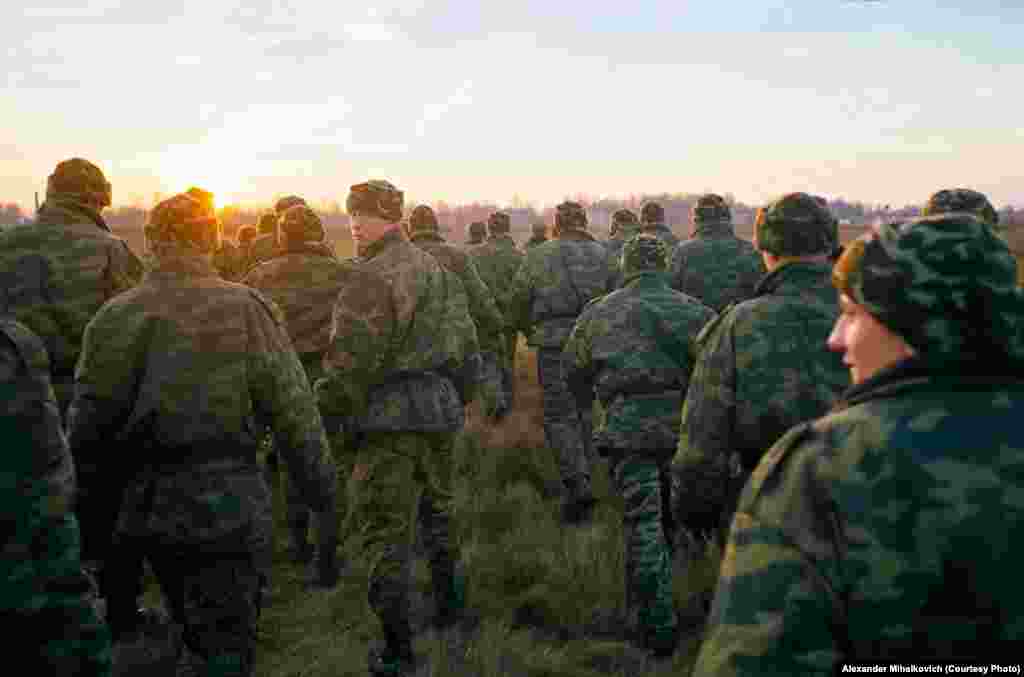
{"type": "Point", "coordinates": [45, 598]}
{"type": "Point", "coordinates": [85, 265]}
{"type": "Point", "coordinates": [568, 426]}
{"type": "Point", "coordinates": [79, 181]}
{"type": "Point", "coordinates": [715, 266]}
{"type": "Point", "coordinates": [795, 224]}
{"type": "Point", "coordinates": [477, 233]}
{"type": "Point", "coordinates": [299, 223]}
{"type": "Point", "coordinates": [228, 261]}
{"type": "Point", "coordinates": [624, 226]}
{"type": "Point", "coordinates": [662, 232]}
{"type": "Point", "coordinates": [287, 202]}
{"type": "Point", "coordinates": [376, 197]}
{"type": "Point", "coordinates": [539, 236]}
{"type": "Point", "coordinates": [262, 249]}
{"type": "Point", "coordinates": [763, 367]}
{"type": "Point", "coordinates": [952, 200]}
{"type": "Point", "coordinates": [885, 532]}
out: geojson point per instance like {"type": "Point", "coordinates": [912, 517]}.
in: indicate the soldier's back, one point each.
{"type": "Point", "coordinates": [718, 270]}
{"type": "Point", "coordinates": [498, 260]}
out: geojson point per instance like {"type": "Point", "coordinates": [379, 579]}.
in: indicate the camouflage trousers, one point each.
{"type": "Point", "coordinates": [401, 481]}
{"type": "Point", "coordinates": [492, 387]}
{"type": "Point", "coordinates": [567, 429]}
{"type": "Point", "coordinates": [508, 369]}
{"type": "Point", "coordinates": [642, 482]}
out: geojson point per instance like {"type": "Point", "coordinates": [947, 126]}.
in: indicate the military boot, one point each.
{"type": "Point", "coordinates": [396, 658]}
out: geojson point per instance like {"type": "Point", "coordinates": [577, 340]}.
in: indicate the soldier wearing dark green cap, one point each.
{"type": "Point", "coordinates": [714, 265]}
{"type": "Point", "coordinates": [763, 366]}
{"type": "Point", "coordinates": [837, 246]}
{"type": "Point", "coordinates": [652, 220]}
{"type": "Point", "coordinates": [397, 376]}
{"type": "Point", "coordinates": [624, 226]}
{"type": "Point", "coordinates": [477, 233]}
{"type": "Point", "coordinates": [227, 259]}
{"type": "Point", "coordinates": [498, 260]}
{"type": "Point", "coordinates": [889, 531]}
{"type": "Point", "coordinates": [633, 350]}
{"type": "Point", "coordinates": [554, 283]}
{"type": "Point", "coordinates": [174, 376]}
{"type": "Point", "coordinates": [265, 246]}
{"type": "Point", "coordinates": [539, 236]}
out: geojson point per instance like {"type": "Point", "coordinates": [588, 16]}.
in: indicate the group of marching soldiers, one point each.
{"type": "Point", "coordinates": [842, 420]}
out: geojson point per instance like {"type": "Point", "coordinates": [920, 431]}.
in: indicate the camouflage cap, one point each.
{"type": "Point", "coordinates": [823, 203]}
{"type": "Point", "coordinates": [81, 181]}
{"type": "Point", "coordinates": [246, 234]}
{"type": "Point", "coordinates": [794, 225]}
{"type": "Point", "coordinates": [570, 216]}
{"type": "Point", "coordinates": [267, 223]}
{"type": "Point", "coordinates": [946, 283]}
{"type": "Point", "coordinates": [185, 221]}
{"type": "Point", "coordinates": [499, 222]}
{"type": "Point", "coordinates": [375, 198]}
{"type": "Point", "coordinates": [299, 223]}
{"type": "Point", "coordinates": [477, 229]}
{"type": "Point", "coordinates": [644, 252]}
{"type": "Point", "coordinates": [287, 202]}
{"type": "Point", "coordinates": [539, 230]}
{"type": "Point", "coordinates": [711, 207]}
{"type": "Point", "coordinates": [961, 200]}
{"type": "Point", "coordinates": [652, 212]}
{"type": "Point", "coordinates": [422, 218]}
{"type": "Point", "coordinates": [204, 196]}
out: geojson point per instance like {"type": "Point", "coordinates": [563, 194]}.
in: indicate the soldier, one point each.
{"type": "Point", "coordinates": [401, 337]}
{"type": "Point", "coordinates": [263, 247]}
{"type": "Point", "coordinates": [303, 282]}
{"type": "Point", "coordinates": [227, 259]}
{"type": "Point", "coordinates": [554, 283]}
{"type": "Point", "coordinates": [951, 200]}
{"type": "Point", "coordinates": [482, 308]}
{"type": "Point", "coordinates": [714, 265]}
{"type": "Point", "coordinates": [624, 226]}
{"type": "Point", "coordinates": [837, 246]}
{"type": "Point", "coordinates": [540, 235]}
{"type": "Point", "coordinates": [763, 366]}
{"type": "Point", "coordinates": [633, 350]}
{"type": "Point", "coordinates": [652, 220]}
{"type": "Point", "coordinates": [173, 378]}
{"type": "Point", "coordinates": [45, 596]}
{"type": "Point", "coordinates": [245, 236]}
{"type": "Point", "coordinates": [477, 233]}
{"type": "Point", "coordinates": [885, 532]}
{"type": "Point", "coordinates": [498, 260]}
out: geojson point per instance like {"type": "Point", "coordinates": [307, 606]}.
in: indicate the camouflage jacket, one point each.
{"type": "Point", "coordinates": [498, 260]}
{"type": "Point", "coordinates": [553, 284]}
{"type": "Point", "coordinates": [303, 282]}
{"type": "Point", "coordinates": [633, 349]}
{"type": "Point", "coordinates": [887, 531]}
{"type": "Point", "coordinates": [716, 266]}
{"type": "Point", "coordinates": [662, 232]}
{"type": "Point", "coordinates": [482, 306]}
{"type": "Point", "coordinates": [177, 377]}
{"type": "Point", "coordinates": [228, 261]}
{"type": "Point", "coordinates": [763, 367]}
{"type": "Point", "coordinates": [402, 343]}
{"type": "Point", "coordinates": [614, 246]}
{"type": "Point", "coordinates": [533, 242]}
{"type": "Point", "coordinates": [261, 249]}
{"type": "Point", "coordinates": [59, 271]}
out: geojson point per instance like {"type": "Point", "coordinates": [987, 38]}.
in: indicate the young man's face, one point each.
{"type": "Point", "coordinates": [367, 229]}
{"type": "Point", "coordinates": [868, 346]}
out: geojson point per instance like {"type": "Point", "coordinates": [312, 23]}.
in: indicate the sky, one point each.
{"type": "Point", "coordinates": [883, 102]}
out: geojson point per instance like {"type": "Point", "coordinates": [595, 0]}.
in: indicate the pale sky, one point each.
{"type": "Point", "coordinates": [883, 101]}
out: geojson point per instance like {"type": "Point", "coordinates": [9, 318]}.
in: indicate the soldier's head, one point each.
{"type": "Point", "coordinates": [286, 203]}
{"type": "Point", "coordinates": [622, 221]}
{"type": "Point", "coordinates": [837, 248]}
{"type": "Point", "coordinates": [942, 287]}
{"type": "Point", "coordinates": [422, 220]}
{"type": "Point", "coordinates": [182, 224]}
{"type": "Point", "coordinates": [375, 208]}
{"type": "Point", "coordinates": [267, 224]}
{"type": "Point", "coordinates": [204, 196]}
{"type": "Point", "coordinates": [299, 224]}
{"type": "Point", "coordinates": [245, 236]}
{"type": "Point", "coordinates": [951, 200]}
{"type": "Point", "coordinates": [652, 213]}
{"type": "Point", "coordinates": [569, 216]}
{"type": "Point", "coordinates": [477, 232]}
{"type": "Point", "coordinates": [794, 226]}
{"type": "Point", "coordinates": [644, 252]}
{"type": "Point", "coordinates": [711, 208]}
{"type": "Point", "coordinates": [539, 230]}
{"type": "Point", "coordinates": [498, 223]}
{"type": "Point", "coordinates": [80, 181]}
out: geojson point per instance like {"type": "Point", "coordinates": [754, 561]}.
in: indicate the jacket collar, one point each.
{"type": "Point", "coordinates": [376, 247]}
{"type": "Point", "coordinates": [61, 211]}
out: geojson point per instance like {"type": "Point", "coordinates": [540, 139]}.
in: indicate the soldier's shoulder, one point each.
{"type": "Point", "coordinates": [28, 345]}
{"type": "Point", "coordinates": [257, 298]}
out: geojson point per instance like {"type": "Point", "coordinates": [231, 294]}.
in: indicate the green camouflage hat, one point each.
{"type": "Point", "coordinates": [185, 221]}
{"type": "Point", "coordinates": [499, 222]}
{"type": "Point", "coordinates": [81, 181]}
{"type": "Point", "coordinates": [477, 229]}
{"type": "Point", "coordinates": [299, 223]}
{"type": "Point", "coordinates": [711, 207]}
{"type": "Point", "coordinates": [961, 200]}
{"type": "Point", "coordinates": [539, 230]}
{"type": "Point", "coordinates": [204, 196]}
{"type": "Point", "coordinates": [644, 252]}
{"type": "Point", "coordinates": [794, 225]}
{"type": "Point", "coordinates": [422, 219]}
{"type": "Point", "coordinates": [652, 212]}
{"type": "Point", "coordinates": [570, 216]}
{"type": "Point", "coordinates": [267, 223]}
{"type": "Point", "coordinates": [246, 234]}
{"type": "Point", "coordinates": [287, 202]}
{"type": "Point", "coordinates": [835, 222]}
{"type": "Point", "coordinates": [946, 283]}
{"type": "Point", "coordinates": [375, 198]}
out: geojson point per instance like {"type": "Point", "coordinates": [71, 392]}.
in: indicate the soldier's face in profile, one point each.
{"type": "Point", "coordinates": [867, 345]}
{"type": "Point", "coordinates": [366, 228]}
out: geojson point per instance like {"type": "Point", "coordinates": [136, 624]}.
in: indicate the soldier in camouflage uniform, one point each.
{"type": "Point", "coordinates": [265, 247]}
{"type": "Point", "coordinates": [714, 265]}
{"type": "Point", "coordinates": [396, 380]}
{"type": "Point", "coordinates": [953, 200]}
{"type": "Point", "coordinates": [477, 233]}
{"type": "Point", "coordinates": [303, 282]}
{"type": "Point", "coordinates": [52, 628]}
{"type": "Point", "coordinates": [482, 308]}
{"type": "Point", "coordinates": [652, 220]}
{"type": "Point", "coordinates": [837, 246]}
{"type": "Point", "coordinates": [633, 350]}
{"type": "Point", "coordinates": [624, 226]}
{"type": "Point", "coordinates": [498, 260]}
{"type": "Point", "coordinates": [244, 237]}
{"type": "Point", "coordinates": [175, 376]}
{"type": "Point", "coordinates": [763, 366]}
{"type": "Point", "coordinates": [554, 283]}
{"type": "Point", "coordinates": [889, 531]}
{"type": "Point", "coordinates": [227, 259]}
{"type": "Point", "coordinates": [539, 236]}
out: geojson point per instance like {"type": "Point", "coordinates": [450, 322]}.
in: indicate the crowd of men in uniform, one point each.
{"type": "Point", "coordinates": [844, 420]}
